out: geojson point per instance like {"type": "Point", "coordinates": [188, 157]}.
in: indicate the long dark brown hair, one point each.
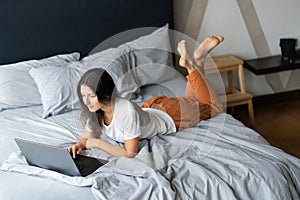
{"type": "Point", "coordinates": [102, 84]}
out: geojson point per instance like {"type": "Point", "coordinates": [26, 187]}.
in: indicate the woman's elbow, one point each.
{"type": "Point", "coordinates": [130, 155]}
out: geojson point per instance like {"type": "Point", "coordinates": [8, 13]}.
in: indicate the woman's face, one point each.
{"type": "Point", "coordinates": [90, 99]}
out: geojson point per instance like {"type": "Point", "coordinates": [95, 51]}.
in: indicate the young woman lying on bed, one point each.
{"type": "Point", "coordinates": [124, 121]}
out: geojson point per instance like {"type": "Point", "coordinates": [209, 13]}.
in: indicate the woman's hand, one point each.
{"type": "Point", "coordinates": [78, 147]}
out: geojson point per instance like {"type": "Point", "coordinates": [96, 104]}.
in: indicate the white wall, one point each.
{"type": "Point", "coordinates": [278, 18]}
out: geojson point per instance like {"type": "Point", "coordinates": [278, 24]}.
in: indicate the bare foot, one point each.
{"type": "Point", "coordinates": [208, 44]}
{"type": "Point", "coordinates": [185, 59]}
{"type": "Point", "coordinates": [205, 47]}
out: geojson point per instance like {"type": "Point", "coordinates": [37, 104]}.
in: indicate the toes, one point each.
{"type": "Point", "coordinates": [181, 42]}
{"type": "Point", "coordinates": [218, 37]}
{"type": "Point", "coordinates": [181, 46]}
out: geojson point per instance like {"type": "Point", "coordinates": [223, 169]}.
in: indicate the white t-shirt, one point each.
{"type": "Point", "coordinates": [130, 121]}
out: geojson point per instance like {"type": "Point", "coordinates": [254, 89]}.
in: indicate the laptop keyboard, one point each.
{"type": "Point", "coordinates": [82, 167]}
{"type": "Point", "coordinates": [86, 165]}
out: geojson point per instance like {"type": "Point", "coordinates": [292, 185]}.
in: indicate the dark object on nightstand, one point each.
{"type": "Point", "coordinates": [288, 46]}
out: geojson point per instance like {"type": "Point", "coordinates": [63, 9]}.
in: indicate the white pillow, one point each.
{"type": "Point", "coordinates": [169, 88]}
{"type": "Point", "coordinates": [58, 87]}
{"type": "Point", "coordinates": [143, 61]}
{"type": "Point", "coordinates": [18, 88]}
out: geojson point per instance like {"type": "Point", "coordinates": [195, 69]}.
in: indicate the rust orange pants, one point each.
{"type": "Point", "coordinates": [200, 102]}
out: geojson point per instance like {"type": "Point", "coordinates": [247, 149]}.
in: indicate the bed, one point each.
{"type": "Point", "coordinates": [219, 158]}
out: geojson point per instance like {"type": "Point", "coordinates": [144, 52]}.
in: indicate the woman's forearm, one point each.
{"type": "Point", "coordinates": [116, 151]}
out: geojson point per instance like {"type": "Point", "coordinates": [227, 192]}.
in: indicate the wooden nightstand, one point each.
{"type": "Point", "coordinates": [233, 96]}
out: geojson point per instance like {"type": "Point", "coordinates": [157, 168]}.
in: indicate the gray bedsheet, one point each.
{"type": "Point", "coordinates": [218, 159]}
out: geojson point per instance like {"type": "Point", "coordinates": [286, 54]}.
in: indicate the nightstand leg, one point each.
{"type": "Point", "coordinates": [251, 113]}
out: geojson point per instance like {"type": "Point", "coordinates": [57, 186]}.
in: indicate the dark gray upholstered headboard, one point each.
{"type": "Point", "coordinates": [32, 29]}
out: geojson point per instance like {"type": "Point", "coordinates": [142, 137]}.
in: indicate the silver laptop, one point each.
{"type": "Point", "coordinates": [58, 159]}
